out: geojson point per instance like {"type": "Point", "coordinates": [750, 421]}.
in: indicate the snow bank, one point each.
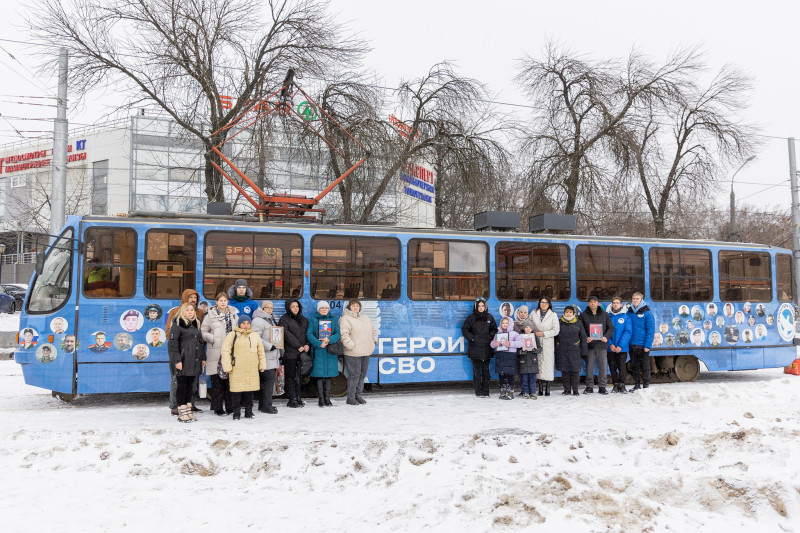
{"type": "Point", "coordinates": [719, 453]}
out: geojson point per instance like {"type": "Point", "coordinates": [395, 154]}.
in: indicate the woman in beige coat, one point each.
{"type": "Point", "coordinates": [218, 322]}
{"type": "Point", "coordinates": [359, 339]}
{"type": "Point", "coordinates": [546, 327]}
{"type": "Point", "coordinates": [243, 358]}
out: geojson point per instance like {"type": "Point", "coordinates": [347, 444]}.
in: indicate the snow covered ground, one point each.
{"type": "Point", "coordinates": [721, 454]}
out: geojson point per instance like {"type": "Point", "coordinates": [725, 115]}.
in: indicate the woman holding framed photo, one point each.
{"type": "Point", "coordinates": [322, 332]}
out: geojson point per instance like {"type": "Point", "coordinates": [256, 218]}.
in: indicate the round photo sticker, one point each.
{"type": "Point", "coordinates": [28, 338]}
{"type": "Point", "coordinates": [751, 320]}
{"type": "Point", "coordinates": [706, 325]}
{"type": "Point", "coordinates": [59, 325]}
{"type": "Point", "coordinates": [506, 310]}
{"type": "Point", "coordinates": [785, 321]}
{"type": "Point", "coordinates": [657, 339]}
{"type": "Point", "coordinates": [747, 335]}
{"type": "Point", "coordinates": [720, 321]}
{"type": "Point", "coordinates": [669, 339]}
{"type": "Point", "coordinates": [739, 317]}
{"type": "Point", "coordinates": [153, 312]}
{"type": "Point", "coordinates": [711, 309]}
{"type": "Point", "coordinates": [123, 341]}
{"type": "Point", "coordinates": [683, 337]}
{"type": "Point", "coordinates": [761, 332]}
{"type": "Point", "coordinates": [98, 342]}
{"type": "Point", "coordinates": [69, 344]}
{"type": "Point", "coordinates": [746, 307]}
{"type": "Point", "coordinates": [663, 328]}
{"type": "Point", "coordinates": [727, 310]}
{"type": "Point", "coordinates": [698, 337]}
{"type": "Point", "coordinates": [683, 311]}
{"type": "Point", "coordinates": [770, 320]}
{"type": "Point", "coordinates": [689, 324]}
{"type": "Point", "coordinates": [131, 320]}
{"type": "Point", "coordinates": [140, 352]}
{"type": "Point", "coordinates": [761, 310]}
{"type": "Point", "coordinates": [732, 334]}
{"type": "Point", "coordinates": [677, 323]}
{"type": "Point", "coordinates": [156, 337]}
{"type": "Point", "coordinates": [697, 313]}
{"type": "Point", "coordinates": [46, 353]}
{"type": "Point", "coordinates": [714, 338]}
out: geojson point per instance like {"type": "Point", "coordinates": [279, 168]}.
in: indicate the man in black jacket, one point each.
{"type": "Point", "coordinates": [598, 328]}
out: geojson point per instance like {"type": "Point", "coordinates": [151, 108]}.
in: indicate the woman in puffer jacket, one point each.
{"type": "Point", "coordinates": [187, 356]}
{"type": "Point", "coordinates": [479, 329]}
{"type": "Point", "coordinates": [326, 365]}
{"type": "Point", "coordinates": [263, 320]}
{"type": "Point", "coordinates": [243, 359]}
{"type": "Point", "coordinates": [295, 326]}
{"type": "Point", "coordinates": [220, 320]}
{"type": "Point", "coordinates": [359, 339]}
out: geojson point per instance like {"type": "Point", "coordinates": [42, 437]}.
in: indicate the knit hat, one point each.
{"type": "Point", "coordinates": [243, 319]}
{"type": "Point", "coordinates": [571, 308]}
{"type": "Point", "coordinates": [240, 283]}
{"type": "Point", "coordinates": [323, 303]}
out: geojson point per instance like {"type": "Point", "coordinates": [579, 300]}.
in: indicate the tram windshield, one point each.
{"type": "Point", "coordinates": [51, 286]}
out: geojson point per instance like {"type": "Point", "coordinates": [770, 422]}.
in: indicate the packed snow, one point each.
{"type": "Point", "coordinates": [718, 454]}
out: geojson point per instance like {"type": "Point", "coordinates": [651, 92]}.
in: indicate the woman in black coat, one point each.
{"type": "Point", "coordinates": [479, 329]}
{"type": "Point", "coordinates": [187, 355]}
{"type": "Point", "coordinates": [295, 326]}
{"type": "Point", "coordinates": [571, 347]}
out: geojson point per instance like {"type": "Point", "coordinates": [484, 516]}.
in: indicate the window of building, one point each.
{"type": "Point", "coordinates": [528, 271]}
{"type": "Point", "coordinates": [447, 270]}
{"type": "Point", "coordinates": [272, 263]}
{"type": "Point", "coordinates": [170, 262]}
{"type": "Point", "coordinates": [681, 274]}
{"type": "Point", "coordinates": [745, 276]}
{"type": "Point", "coordinates": [784, 274]}
{"type": "Point", "coordinates": [19, 180]}
{"type": "Point", "coordinates": [355, 267]}
{"type": "Point", "coordinates": [608, 271]}
{"type": "Point", "coordinates": [52, 285]}
{"type": "Point", "coordinates": [109, 269]}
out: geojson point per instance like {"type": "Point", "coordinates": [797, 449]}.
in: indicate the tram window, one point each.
{"type": "Point", "coordinates": [51, 287]}
{"type": "Point", "coordinates": [784, 274]}
{"type": "Point", "coordinates": [109, 269]}
{"type": "Point", "coordinates": [744, 276]}
{"type": "Point", "coordinates": [527, 271]}
{"type": "Point", "coordinates": [608, 271]}
{"type": "Point", "coordinates": [272, 263]}
{"type": "Point", "coordinates": [680, 274]}
{"type": "Point", "coordinates": [169, 263]}
{"type": "Point", "coordinates": [447, 270]}
{"type": "Point", "coordinates": [355, 267]}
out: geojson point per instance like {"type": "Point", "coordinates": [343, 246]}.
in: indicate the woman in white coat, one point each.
{"type": "Point", "coordinates": [546, 328]}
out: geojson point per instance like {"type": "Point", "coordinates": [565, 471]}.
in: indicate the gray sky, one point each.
{"type": "Point", "coordinates": [485, 40]}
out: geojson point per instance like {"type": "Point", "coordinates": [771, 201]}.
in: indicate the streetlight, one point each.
{"type": "Point", "coordinates": [2, 251]}
{"type": "Point", "coordinates": [732, 231]}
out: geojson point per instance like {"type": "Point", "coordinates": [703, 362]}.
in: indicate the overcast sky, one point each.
{"type": "Point", "coordinates": [485, 40]}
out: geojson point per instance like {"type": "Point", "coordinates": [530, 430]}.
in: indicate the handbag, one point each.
{"type": "Point", "coordinates": [335, 348]}
{"type": "Point", "coordinates": [221, 373]}
{"type": "Point", "coordinates": [306, 363]}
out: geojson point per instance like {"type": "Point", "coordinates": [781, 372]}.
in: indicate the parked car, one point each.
{"type": "Point", "coordinates": [18, 291]}
{"type": "Point", "coordinates": [8, 304]}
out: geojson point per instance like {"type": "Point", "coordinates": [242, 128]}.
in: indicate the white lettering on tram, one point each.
{"type": "Point", "coordinates": [420, 345]}
{"type": "Point", "coordinates": [406, 365]}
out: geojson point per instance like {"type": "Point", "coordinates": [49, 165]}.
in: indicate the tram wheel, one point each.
{"type": "Point", "coordinates": [687, 368]}
{"type": "Point", "coordinates": [339, 386]}
{"type": "Point", "coordinates": [63, 396]}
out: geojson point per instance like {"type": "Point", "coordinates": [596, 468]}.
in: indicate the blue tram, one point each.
{"type": "Point", "coordinates": [94, 317]}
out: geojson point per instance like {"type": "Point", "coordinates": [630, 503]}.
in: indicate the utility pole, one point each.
{"type": "Point", "coordinates": [58, 196]}
{"type": "Point", "coordinates": [795, 219]}
{"type": "Point", "coordinates": [732, 235]}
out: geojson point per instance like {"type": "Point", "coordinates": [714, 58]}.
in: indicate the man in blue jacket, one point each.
{"type": "Point", "coordinates": [240, 297]}
{"type": "Point", "coordinates": [643, 330]}
{"type": "Point", "coordinates": [618, 344]}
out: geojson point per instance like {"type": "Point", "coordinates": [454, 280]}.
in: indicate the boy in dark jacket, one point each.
{"type": "Point", "coordinates": [598, 329]}
{"type": "Point", "coordinates": [618, 344]}
{"type": "Point", "coordinates": [570, 348]}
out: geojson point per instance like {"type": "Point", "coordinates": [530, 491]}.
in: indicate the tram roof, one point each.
{"type": "Point", "coordinates": [194, 219]}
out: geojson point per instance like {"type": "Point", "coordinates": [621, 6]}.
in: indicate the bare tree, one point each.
{"type": "Point", "coordinates": [202, 61]}
{"type": "Point", "coordinates": [579, 103]}
{"type": "Point", "coordinates": [681, 145]}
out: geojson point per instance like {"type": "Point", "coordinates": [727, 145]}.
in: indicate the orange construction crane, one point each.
{"type": "Point", "coordinates": [280, 101]}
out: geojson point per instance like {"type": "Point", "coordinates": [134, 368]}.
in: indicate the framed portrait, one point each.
{"type": "Point", "coordinates": [500, 337]}
{"type": "Point", "coordinates": [276, 336]}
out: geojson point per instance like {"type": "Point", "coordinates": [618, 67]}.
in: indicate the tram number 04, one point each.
{"type": "Point", "coordinates": [406, 365]}
{"type": "Point", "coordinates": [334, 304]}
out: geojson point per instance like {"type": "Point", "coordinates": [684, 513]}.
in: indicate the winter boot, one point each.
{"type": "Point", "coordinates": [321, 392]}
{"type": "Point", "coordinates": [192, 410]}
{"type": "Point", "coordinates": [248, 412]}
{"type": "Point", "coordinates": [352, 401]}
{"type": "Point", "coordinates": [547, 388]}
{"type": "Point", "coordinates": [540, 382]}
{"type": "Point", "coordinates": [503, 393]}
{"type": "Point", "coordinates": [326, 390]}
{"type": "Point", "coordinates": [184, 413]}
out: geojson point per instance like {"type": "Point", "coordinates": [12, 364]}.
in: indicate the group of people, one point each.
{"type": "Point", "coordinates": [232, 343]}
{"type": "Point", "coordinates": [538, 343]}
